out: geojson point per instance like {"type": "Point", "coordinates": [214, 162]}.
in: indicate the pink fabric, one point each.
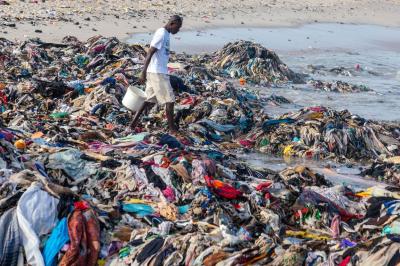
{"type": "Point", "coordinates": [169, 194]}
{"type": "Point", "coordinates": [246, 143]}
{"type": "Point", "coordinates": [335, 226]}
{"type": "Point", "coordinates": [345, 261]}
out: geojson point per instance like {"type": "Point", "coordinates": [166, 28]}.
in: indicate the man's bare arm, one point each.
{"type": "Point", "coordinates": [149, 55]}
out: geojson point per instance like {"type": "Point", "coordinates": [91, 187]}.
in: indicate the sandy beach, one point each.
{"type": "Point", "coordinates": [52, 20]}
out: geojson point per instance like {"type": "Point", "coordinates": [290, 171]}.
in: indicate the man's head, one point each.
{"type": "Point", "coordinates": [174, 24]}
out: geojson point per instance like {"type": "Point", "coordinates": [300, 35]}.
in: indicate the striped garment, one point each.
{"type": "Point", "coordinates": [9, 238]}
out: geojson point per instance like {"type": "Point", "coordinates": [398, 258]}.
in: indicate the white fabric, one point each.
{"type": "Point", "coordinates": [159, 60]}
{"type": "Point", "coordinates": [159, 89]}
{"type": "Point", "coordinates": [37, 215]}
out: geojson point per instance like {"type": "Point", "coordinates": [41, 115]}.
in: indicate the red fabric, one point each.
{"type": "Point", "coordinates": [309, 154]}
{"type": "Point", "coordinates": [345, 261]}
{"type": "Point", "coordinates": [303, 211]}
{"type": "Point", "coordinates": [77, 251]}
{"type": "Point", "coordinates": [267, 196]}
{"type": "Point", "coordinates": [81, 205]}
{"type": "Point", "coordinates": [93, 237]}
{"type": "Point", "coordinates": [3, 98]}
{"type": "Point", "coordinates": [246, 143]}
{"type": "Point", "coordinates": [189, 100]}
{"type": "Point", "coordinates": [84, 234]}
{"type": "Point", "coordinates": [222, 189]}
{"type": "Point", "coordinates": [263, 185]}
{"type": "Point", "coordinates": [165, 162]}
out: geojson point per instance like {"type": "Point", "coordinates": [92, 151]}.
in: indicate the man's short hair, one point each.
{"type": "Point", "coordinates": [175, 18]}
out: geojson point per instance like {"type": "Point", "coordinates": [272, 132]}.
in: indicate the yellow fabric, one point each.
{"type": "Point", "coordinates": [305, 234]}
{"type": "Point", "coordinates": [133, 201]}
{"type": "Point", "coordinates": [377, 192]}
{"type": "Point", "coordinates": [288, 150]}
{"type": "Point", "coordinates": [395, 160]}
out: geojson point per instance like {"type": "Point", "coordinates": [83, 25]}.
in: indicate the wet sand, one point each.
{"type": "Point", "coordinates": [52, 20]}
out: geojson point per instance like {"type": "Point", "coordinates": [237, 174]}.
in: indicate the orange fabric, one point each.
{"type": "Point", "coordinates": [84, 234]}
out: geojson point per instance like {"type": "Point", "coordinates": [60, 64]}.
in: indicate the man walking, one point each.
{"type": "Point", "coordinates": [155, 73]}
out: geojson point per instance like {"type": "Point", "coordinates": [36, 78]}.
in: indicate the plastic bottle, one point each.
{"type": "Point", "coordinates": [393, 229]}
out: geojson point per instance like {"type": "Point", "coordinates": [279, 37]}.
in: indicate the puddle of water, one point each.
{"type": "Point", "coordinates": [338, 175]}
{"type": "Point", "coordinates": [375, 48]}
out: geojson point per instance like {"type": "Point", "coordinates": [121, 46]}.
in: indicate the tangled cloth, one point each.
{"type": "Point", "coordinates": [84, 248]}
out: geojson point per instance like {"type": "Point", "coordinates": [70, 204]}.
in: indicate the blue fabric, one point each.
{"type": "Point", "coordinates": [109, 80]}
{"type": "Point", "coordinates": [269, 123]}
{"type": "Point", "coordinates": [214, 137]}
{"type": "Point", "coordinates": [58, 238]}
{"type": "Point", "coordinates": [40, 168]}
{"type": "Point", "coordinates": [137, 208]}
{"type": "Point", "coordinates": [222, 128]}
{"type": "Point", "coordinates": [392, 207]}
{"type": "Point", "coordinates": [96, 108]}
{"type": "Point", "coordinates": [216, 155]}
{"type": "Point", "coordinates": [183, 209]}
{"type": "Point", "coordinates": [244, 123]}
{"type": "Point", "coordinates": [171, 141]}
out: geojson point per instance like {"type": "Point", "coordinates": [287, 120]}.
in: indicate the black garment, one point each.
{"type": "Point", "coordinates": [163, 255]}
{"type": "Point", "coordinates": [153, 178]}
{"type": "Point", "coordinates": [110, 163]}
{"type": "Point", "coordinates": [150, 249]}
{"type": "Point", "coordinates": [374, 209]}
{"type": "Point", "coordinates": [177, 84]}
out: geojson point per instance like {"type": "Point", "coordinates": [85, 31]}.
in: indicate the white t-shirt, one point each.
{"type": "Point", "coordinates": [159, 60]}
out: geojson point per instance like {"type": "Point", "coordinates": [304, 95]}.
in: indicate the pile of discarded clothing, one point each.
{"type": "Point", "coordinates": [357, 70]}
{"type": "Point", "coordinates": [36, 74]}
{"type": "Point", "coordinates": [253, 62]}
{"type": "Point", "coordinates": [78, 188]}
{"type": "Point", "coordinates": [149, 199]}
{"type": "Point", "coordinates": [338, 86]}
{"type": "Point", "coordinates": [387, 171]}
{"type": "Point", "coordinates": [323, 133]}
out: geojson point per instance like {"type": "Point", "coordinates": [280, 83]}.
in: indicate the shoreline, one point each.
{"type": "Point", "coordinates": [55, 34]}
{"type": "Point", "coordinates": [122, 19]}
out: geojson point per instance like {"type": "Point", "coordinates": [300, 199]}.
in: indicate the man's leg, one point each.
{"type": "Point", "coordinates": [169, 109]}
{"type": "Point", "coordinates": [139, 113]}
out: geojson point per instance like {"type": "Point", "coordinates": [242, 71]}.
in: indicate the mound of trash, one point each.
{"type": "Point", "coordinates": [338, 86]}
{"type": "Point", "coordinates": [245, 59]}
{"type": "Point", "coordinates": [79, 188]}
{"type": "Point", "coordinates": [323, 133]}
{"type": "Point", "coordinates": [387, 171]}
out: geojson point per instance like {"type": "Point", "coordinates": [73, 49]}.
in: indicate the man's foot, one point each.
{"type": "Point", "coordinates": [174, 131]}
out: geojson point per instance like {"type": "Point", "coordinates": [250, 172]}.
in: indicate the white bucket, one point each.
{"type": "Point", "coordinates": [134, 99]}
